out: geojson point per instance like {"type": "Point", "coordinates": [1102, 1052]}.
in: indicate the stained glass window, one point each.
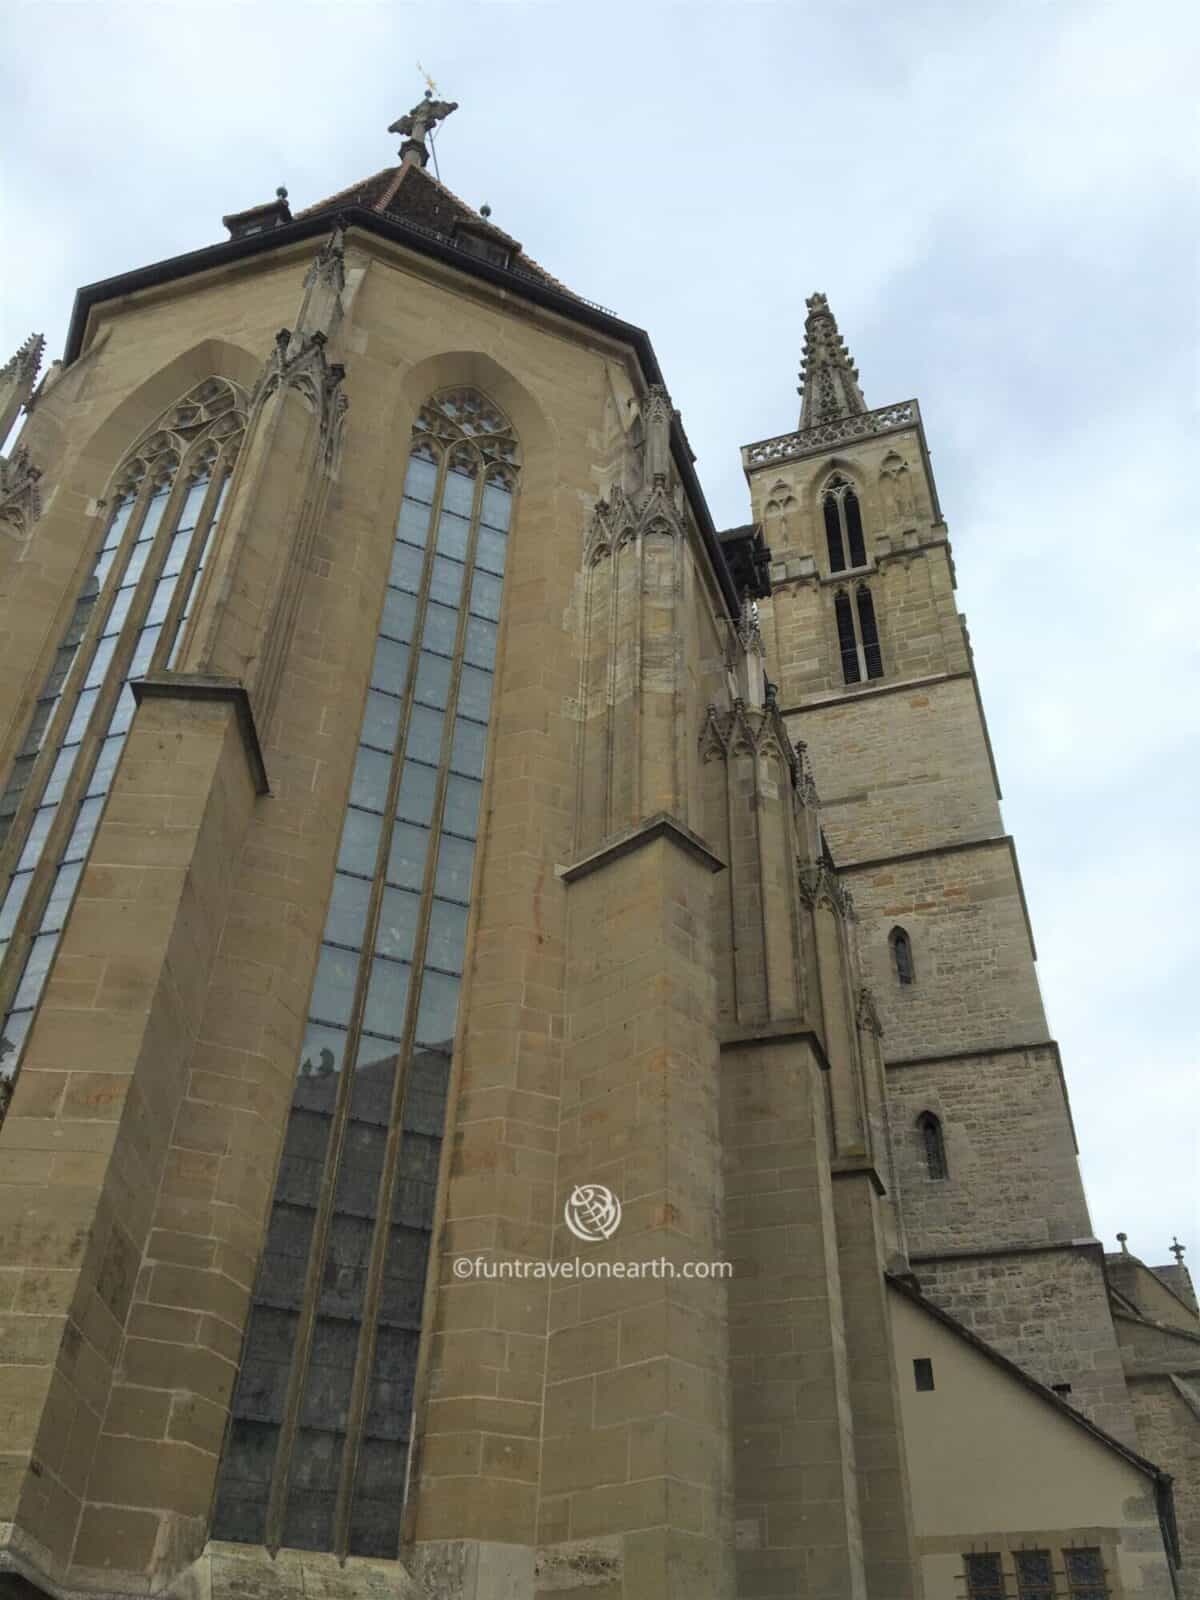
{"type": "Point", "coordinates": [129, 618]}
{"type": "Point", "coordinates": [317, 1453]}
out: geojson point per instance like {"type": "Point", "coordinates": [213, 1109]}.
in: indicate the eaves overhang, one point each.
{"type": "Point", "coordinates": [423, 242]}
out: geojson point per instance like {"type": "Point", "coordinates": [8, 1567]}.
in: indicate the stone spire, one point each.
{"type": "Point", "coordinates": [828, 378]}
{"type": "Point", "coordinates": [418, 124]}
{"type": "Point", "coordinates": [17, 377]}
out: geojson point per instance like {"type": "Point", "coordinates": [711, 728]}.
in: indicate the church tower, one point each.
{"type": "Point", "coordinates": [876, 678]}
{"type": "Point", "coordinates": [522, 1071]}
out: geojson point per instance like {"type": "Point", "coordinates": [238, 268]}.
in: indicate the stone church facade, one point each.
{"type": "Point", "coordinates": [416, 816]}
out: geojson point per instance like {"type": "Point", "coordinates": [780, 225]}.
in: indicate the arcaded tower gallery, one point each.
{"type": "Point", "coordinates": [413, 813]}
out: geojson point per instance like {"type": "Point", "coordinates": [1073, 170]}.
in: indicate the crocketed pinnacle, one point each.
{"type": "Point", "coordinates": [24, 363]}
{"type": "Point", "coordinates": [828, 378]}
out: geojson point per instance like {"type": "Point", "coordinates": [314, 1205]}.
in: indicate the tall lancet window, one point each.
{"type": "Point", "coordinates": [317, 1452]}
{"type": "Point", "coordinates": [128, 620]}
{"type": "Point", "coordinates": [843, 527]}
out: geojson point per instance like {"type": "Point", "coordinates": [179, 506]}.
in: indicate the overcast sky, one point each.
{"type": "Point", "coordinates": [997, 199]}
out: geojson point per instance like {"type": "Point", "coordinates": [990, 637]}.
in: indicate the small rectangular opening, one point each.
{"type": "Point", "coordinates": [1062, 1389]}
{"type": "Point", "coordinates": [923, 1372]}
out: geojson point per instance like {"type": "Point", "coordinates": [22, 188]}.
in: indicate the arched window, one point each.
{"type": "Point", "coordinates": [128, 620]}
{"type": "Point", "coordinates": [902, 955]}
{"type": "Point", "coordinates": [363, 1145]}
{"type": "Point", "coordinates": [933, 1144]}
{"type": "Point", "coordinates": [858, 635]}
{"type": "Point", "coordinates": [843, 526]}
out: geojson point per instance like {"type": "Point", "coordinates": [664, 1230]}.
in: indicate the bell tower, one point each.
{"type": "Point", "coordinates": [876, 677]}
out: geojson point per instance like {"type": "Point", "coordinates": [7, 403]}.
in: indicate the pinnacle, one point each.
{"type": "Point", "coordinates": [829, 384]}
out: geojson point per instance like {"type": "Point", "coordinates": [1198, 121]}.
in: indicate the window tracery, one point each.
{"type": "Point", "coordinates": [317, 1452]}
{"type": "Point", "coordinates": [128, 620]}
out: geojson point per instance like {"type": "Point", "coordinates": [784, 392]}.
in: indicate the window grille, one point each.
{"type": "Point", "coordinates": [1085, 1575]}
{"type": "Point", "coordinates": [985, 1577]}
{"type": "Point", "coordinates": [1035, 1575]}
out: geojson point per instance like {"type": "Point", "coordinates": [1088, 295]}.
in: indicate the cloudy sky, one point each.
{"type": "Point", "coordinates": [996, 197]}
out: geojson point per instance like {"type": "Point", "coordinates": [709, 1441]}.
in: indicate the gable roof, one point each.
{"type": "Point", "coordinates": [903, 1287]}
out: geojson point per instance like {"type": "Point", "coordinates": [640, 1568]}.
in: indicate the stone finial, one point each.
{"type": "Point", "coordinates": [1122, 1240]}
{"type": "Point", "coordinates": [418, 124]}
{"type": "Point", "coordinates": [829, 387]}
{"type": "Point", "coordinates": [25, 362]}
{"type": "Point", "coordinates": [1177, 1250]}
{"type": "Point", "coordinates": [17, 377]}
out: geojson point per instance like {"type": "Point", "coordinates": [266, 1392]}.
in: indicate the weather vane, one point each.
{"type": "Point", "coordinates": [420, 122]}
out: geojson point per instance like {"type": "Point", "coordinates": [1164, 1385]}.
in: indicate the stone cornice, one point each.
{"type": "Point", "coordinates": [199, 686]}
{"type": "Point", "coordinates": [660, 826]}
{"type": "Point", "coordinates": [828, 435]}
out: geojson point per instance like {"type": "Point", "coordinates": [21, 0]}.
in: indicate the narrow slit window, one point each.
{"type": "Point", "coordinates": [933, 1145]}
{"type": "Point", "coordinates": [923, 1373]}
{"type": "Point", "coordinates": [902, 956]}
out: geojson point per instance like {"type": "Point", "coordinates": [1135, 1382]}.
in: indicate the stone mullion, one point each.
{"type": "Point", "coordinates": [208, 510]}
{"type": "Point", "coordinates": [65, 816]}
{"type": "Point", "coordinates": [584, 742]}
{"type": "Point", "coordinates": [395, 1139]}
{"type": "Point", "coordinates": [281, 1474]}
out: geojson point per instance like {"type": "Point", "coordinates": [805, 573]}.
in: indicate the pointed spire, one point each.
{"type": "Point", "coordinates": [828, 378]}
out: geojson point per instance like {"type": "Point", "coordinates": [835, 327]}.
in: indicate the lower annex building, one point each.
{"type": "Point", "coordinates": [412, 809]}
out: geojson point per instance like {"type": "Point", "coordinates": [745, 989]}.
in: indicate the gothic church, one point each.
{"type": "Point", "coordinates": [413, 809]}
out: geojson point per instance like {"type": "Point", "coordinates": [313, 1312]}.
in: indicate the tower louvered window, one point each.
{"type": "Point", "coordinates": [127, 621]}
{"type": "Point", "coordinates": [843, 527]}
{"type": "Point", "coordinates": [858, 635]}
{"type": "Point", "coordinates": [317, 1453]}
